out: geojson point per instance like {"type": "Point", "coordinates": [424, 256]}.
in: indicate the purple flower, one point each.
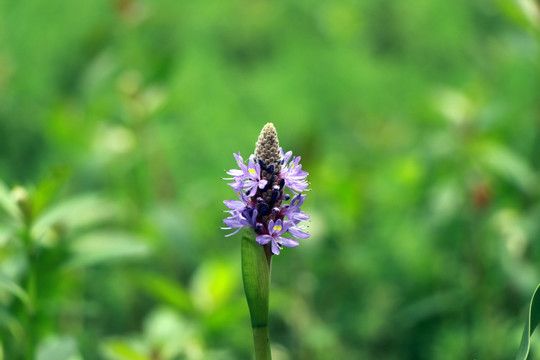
{"type": "Point", "coordinates": [296, 230]}
{"type": "Point", "coordinates": [250, 217]}
{"type": "Point", "coordinates": [239, 219]}
{"type": "Point", "coordinates": [237, 173]}
{"type": "Point", "coordinates": [263, 188]}
{"type": "Point", "coordinates": [275, 230]}
{"type": "Point", "coordinates": [285, 156]}
{"type": "Point", "coordinates": [293, 212]}
{"type": "Point", "coordinates": [233, 222]}
{"type": "Point", "coordinates": [238, 205]}
{"type": "Point", "coordinates": [247, 177]}
{"type": "Point", "coordinates": [292, 173]}
{"type": "Point", "coordinates": [253, 178]}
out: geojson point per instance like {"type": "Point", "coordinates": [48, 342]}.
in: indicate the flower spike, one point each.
{"type": "Point", "coordinates": [261, 186]}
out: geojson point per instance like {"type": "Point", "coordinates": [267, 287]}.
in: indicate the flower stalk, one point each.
{"type": "Point", "coordinates": [269, 190]}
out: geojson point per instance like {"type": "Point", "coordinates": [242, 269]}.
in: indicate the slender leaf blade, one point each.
{"type": "Point", "coordinates": [13, 288]}
{"type": "Point", "coordinates": [533, 318]}
{"type": "Point", "coordinates": [105, 246]}
{"type": "Point", "coordinates": [255, 274]}
{"type": "Point", "coordinates": [256, 278]}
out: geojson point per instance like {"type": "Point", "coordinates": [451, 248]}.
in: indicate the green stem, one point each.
{"type": "Point", "coordinates": [261, 340]}
{"type": "Point", "coordinates": [256, 277]}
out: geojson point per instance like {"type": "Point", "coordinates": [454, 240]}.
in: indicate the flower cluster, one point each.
{"type": "Point", "coordinates": [262, 203]}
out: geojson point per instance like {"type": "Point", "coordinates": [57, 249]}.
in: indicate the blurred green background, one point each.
{"type": "Point", "coordinates": [417, 120]}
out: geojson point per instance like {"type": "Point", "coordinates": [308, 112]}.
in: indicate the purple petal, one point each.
{"type": "Point", "coordinates": [232, 222]}
{"type": "Point", "coordinates": [271, 226]}
{"type": "Point", "coordinates": [278, 228]}
{"type": "Point", "coordinates": [254, 218]}
{"type": "Point", "coordinates": [239, 160]}
{"type": "Point", "coordinates": [257, 168]}
{"type": "Point", "coordinates": [263, 239]}
{"type": "Point", "coordinates": [249, 220]}
{"type": "Point", "coordinates": [287, 242]}
{"type": "Point", "coordinates": [298, 172]}
{"type": "Point", "coordinates": [235, 172]}
{"type": "Point", "coordinates": [237, 185]}
{"type": "Point", "coordinates": [235, 204]}
{"type": "Point", "coordinates": [242, 196]}
{"type": "Point", "coordinates": [302, 216]}
{"type": "Point", "coordinates": [298, 233]}
{"type": "Point", "coordinates": [298, 200]}
{"type": "Point", "coordinates": [253, 170]}
{"type": "Point", "coordinates": [231, 234]}
{"type": "Point", "coordinates": [251, 187]}
{"type": "Point", "coordinates": [275, 248]}
{"type": "Point", "coordinates": [296, 185]}
{"type": "Point", "coordinates": [286, 156]}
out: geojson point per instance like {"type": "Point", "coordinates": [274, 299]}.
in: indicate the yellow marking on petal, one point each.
{"type": "Point", "coordinates": [252, 171]}
{"type": "Point", "coordinates": [277, 228]}
{"type": "Point", "coordinates": [292, 165]}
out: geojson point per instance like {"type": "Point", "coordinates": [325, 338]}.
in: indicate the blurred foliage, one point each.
{"type": "Point", "coordinates": [417, 120]}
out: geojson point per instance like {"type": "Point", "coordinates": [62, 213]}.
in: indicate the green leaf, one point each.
{"type": "Point", "coordinates": [13, 325]}
{"type": "Point", "coordinates": [166, 290]}
{"type": "Point", "coordinates": [164, 329]}
{"type": "Point", "coordinates": [105, 246]}
{"type": "Point", "coordinates": [124, 349]}
{"type": "Point", "coordinates": [8, 203]}
{"type": "Point", "coordinates": [508, 165]}
{"type": "Point", "coordinates": [533, 319]}
{"type": "Point", "coordinates": [58, 348]}
{"type": "Point", "coordinates": [11, 287]}
{"type": "Point", "coordinates": [256, 277]}
{"type": "Point", "coordinates": [212, 286]}
{"type": "Point", "coordinates": [82, 211]}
